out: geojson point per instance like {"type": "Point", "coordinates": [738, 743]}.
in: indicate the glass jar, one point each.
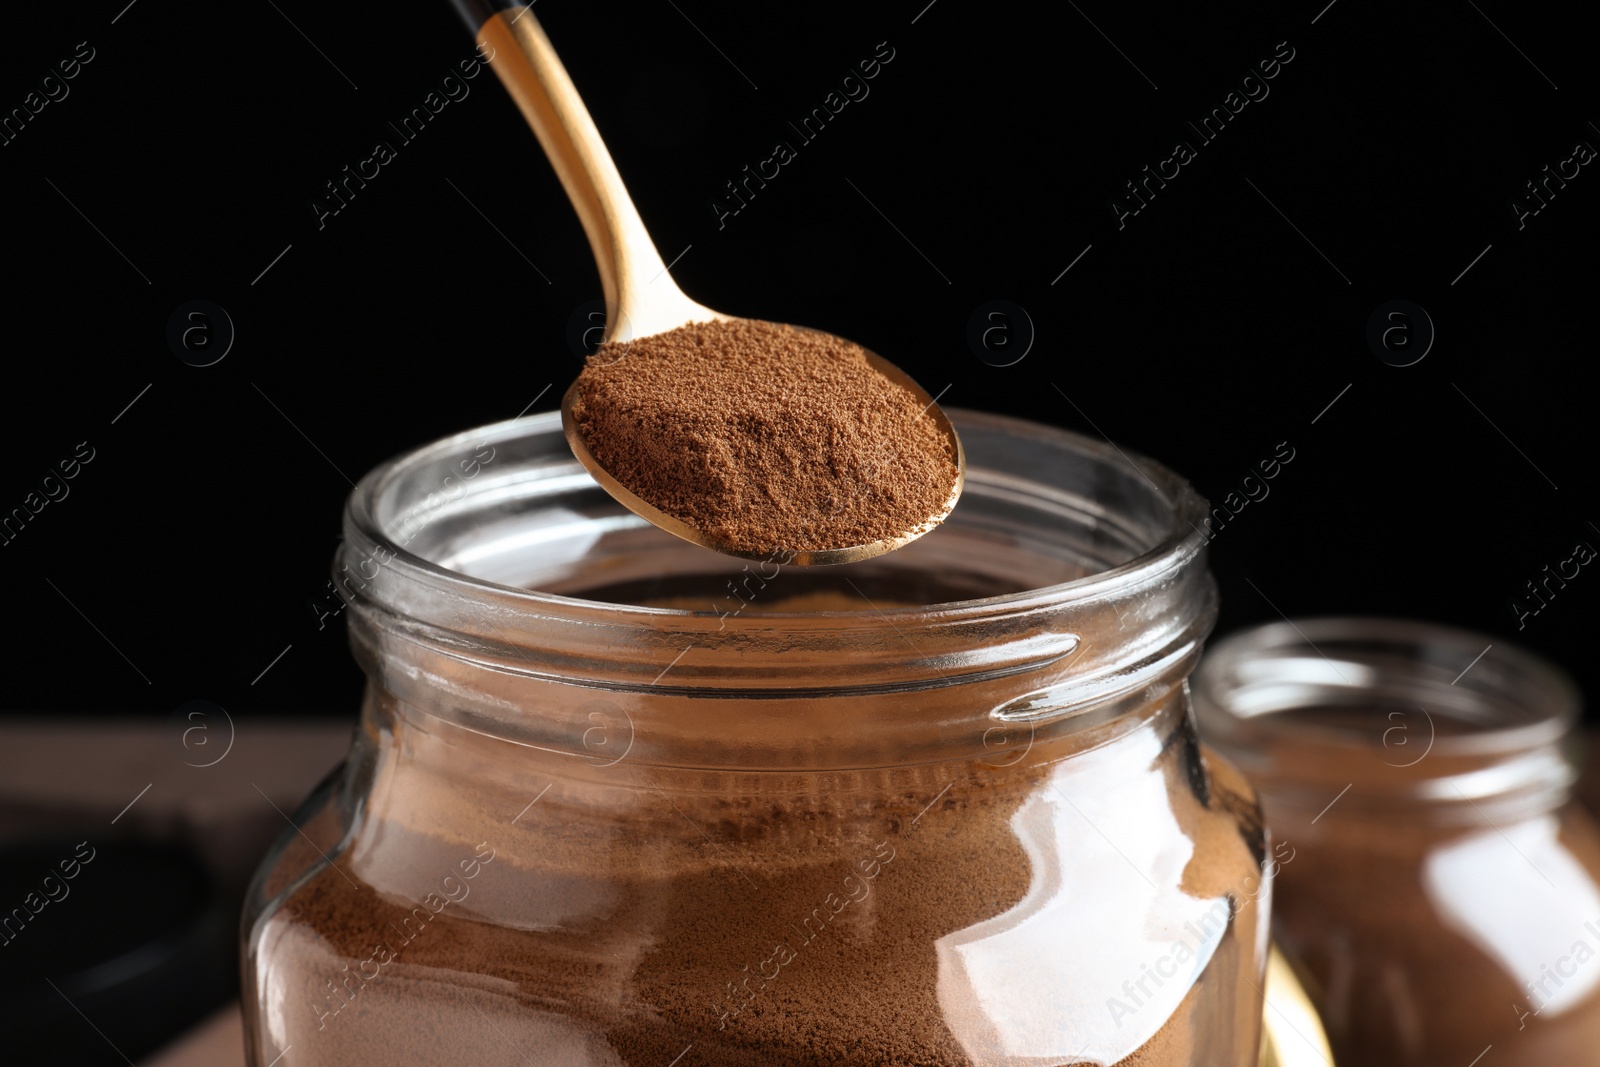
{"type": "Point", "coordinates": [1437, 890]}
{"type": "Point", "coordinates": [617, 800]}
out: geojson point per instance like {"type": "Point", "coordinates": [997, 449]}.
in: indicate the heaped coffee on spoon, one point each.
{"type": "Point", "coordinates": [768, 438]}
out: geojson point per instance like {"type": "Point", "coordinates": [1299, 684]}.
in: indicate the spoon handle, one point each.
{"type": "Point", "coordinates": [641, 297]}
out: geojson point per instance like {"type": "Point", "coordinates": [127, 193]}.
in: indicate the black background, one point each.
{"type": "Point", "coordinates": [1221, 320]}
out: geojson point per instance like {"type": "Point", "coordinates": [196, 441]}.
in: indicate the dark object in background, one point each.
{"type": "Point", "coordinates": [134, 937]}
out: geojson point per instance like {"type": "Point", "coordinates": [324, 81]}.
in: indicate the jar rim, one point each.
{"type": "Point", "coordinates": [1510, 699]}
{"type": "Point", "coordinates": [1038, 501]}
{"type": "Point", "coordinates": [1180, 542]}
{"type": "Point", "coordinates": [432, 626]}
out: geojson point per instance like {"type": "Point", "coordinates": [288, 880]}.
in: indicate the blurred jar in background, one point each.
{"type": "Point", "coordinates": [1439, 891]}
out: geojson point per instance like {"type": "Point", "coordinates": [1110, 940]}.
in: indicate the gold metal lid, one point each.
{"type": "Point", "coordinates": [1291, 1033]}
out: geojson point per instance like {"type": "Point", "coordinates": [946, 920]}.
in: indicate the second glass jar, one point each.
{"type": "Point", "coordinates": [1438, 890]}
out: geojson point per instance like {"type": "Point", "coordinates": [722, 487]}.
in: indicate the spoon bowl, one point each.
{"type": "Point", "coordinates": [801, 557]}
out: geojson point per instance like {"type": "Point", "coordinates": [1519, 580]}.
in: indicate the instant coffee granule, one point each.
{"type": "Point", "coordinates": [765, 437]}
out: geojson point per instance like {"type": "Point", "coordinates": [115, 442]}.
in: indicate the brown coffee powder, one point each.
{"type": "Point", "coordinates": [766, 437]}
{"type": "Point", "coordinates": [639, 952]}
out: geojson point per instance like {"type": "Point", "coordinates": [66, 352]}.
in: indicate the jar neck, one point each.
{"type": "Point", "coordinates": [1059, 700]}
{"type": "Point", "coordinates": [495, 602]}
{"type": "Point", "coordinates": [1395, 718]}
{"type": "Point", "coordinates": [1299, 785]}
{"type": "Point", "coordinates": [606, 772]}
